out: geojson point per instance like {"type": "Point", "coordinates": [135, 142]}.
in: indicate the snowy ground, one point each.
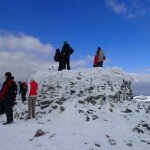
{"type": "Point", "coordinates": [82, 126]}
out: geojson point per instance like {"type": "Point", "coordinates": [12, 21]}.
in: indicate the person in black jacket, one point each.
{"type": "Point", "coordinates": [7, 94]}
{"type": "Point", "coordinates": [23, 90]}
{"type": "Point", "coordinates": [65, 56]}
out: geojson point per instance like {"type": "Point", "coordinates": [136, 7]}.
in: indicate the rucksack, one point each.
{"type": "Point", "coordinates": [57, 57]}
{"type": "Point", "coordinates": [95, 61]}
{"type": "Point", "coordinates": [24, 85]}
{"type": "Point", "coordinates": [8, 89]}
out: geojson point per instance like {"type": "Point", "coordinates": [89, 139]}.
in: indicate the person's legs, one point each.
{"type": "Point", "coordinates": [101, 64]}
{"type": "Point", "coordinates": [8, 110]}
{"type": "Point", "coordinates": [33, 106]}
{"type": "Point", "coordinates": [68, 63]}
{"type": "Point", "coordinates": [60, 65]}
{"type": "Point", "coordinates": [29, 107]}
{"type": "Point", "coordinates": [23, 95]}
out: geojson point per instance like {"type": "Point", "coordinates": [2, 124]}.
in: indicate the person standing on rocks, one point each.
{"type": "Point", "coordinates": [23, 90]}
{"type": "Point", "coordinates": [99, 58]}
{"type": "Point", "coordinates": [33, 92]}
{"type": "Point", "coordinates": [7, 96]}
{"type": "Point", "coordinates": [65, 56]}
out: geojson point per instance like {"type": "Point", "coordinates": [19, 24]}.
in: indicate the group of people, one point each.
{"type": "Point", "coordinates": [8, 95]}
{"type": "Point", "coordinates": [63, 57]}
{"type": "Point", "coordinates": [9, 89]}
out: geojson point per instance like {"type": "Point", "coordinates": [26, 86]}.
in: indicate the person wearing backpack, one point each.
{"type": "Point", "coordinates": [65, 56]}
{"type": "Point", "coordinates": [57, 58]}
{"type": "Point", "coordinates": [33, 92]}
{"type": "Point", "coordinates": [23, 90]}
{"type": "Point", "coordinates": [7, 94]}
{"type": "Point", "coordinates": [101, 56]}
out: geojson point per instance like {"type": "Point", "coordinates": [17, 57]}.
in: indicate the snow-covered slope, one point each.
{"type": "Point", "coordinates": [86, 109]}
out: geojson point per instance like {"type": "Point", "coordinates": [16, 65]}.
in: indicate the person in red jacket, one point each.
{"type": "Point", "coordinates": [33, 92]}
{"type": "Point", "coordinates": [7, 96]}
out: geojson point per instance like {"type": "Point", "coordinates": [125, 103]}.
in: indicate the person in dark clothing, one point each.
{"type": "Point", "coordinates": [57, 58]}
{"type": "Point", "coordinates": [23, 90]}
{"type": "Point", "coordinates": [65, 56]}
{"type": "Point", "coordinates": [7, 94]}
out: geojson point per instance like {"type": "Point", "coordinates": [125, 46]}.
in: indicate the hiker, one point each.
{"type": "Point", "coordinates": [23, 90]}
{"type": "Point", "coordinates": [65, 56]}
{"type": "Point", "coordinates": [99, 58]}
{"type": "Point", "coordinates": [33, 92]}
{"type": "Point", "coordinates": [7, 96]}
{"type": "Point", "coordinates": [57, 58]}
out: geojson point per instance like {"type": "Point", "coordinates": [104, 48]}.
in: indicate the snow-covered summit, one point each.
{"type": "Point", "coordinates": [85, 109]}
{"type": "Point", "coordinates": [105, 84]}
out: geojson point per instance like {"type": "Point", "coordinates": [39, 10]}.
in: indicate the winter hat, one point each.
{"type": "Point", "coordinates": [19, 82]}
{"type": "Point", "coordinates": [65, 42]}
{"type": "Point", "coordinates": [99, 48]}
{"type": "Point", "coordinates": [8, 74]}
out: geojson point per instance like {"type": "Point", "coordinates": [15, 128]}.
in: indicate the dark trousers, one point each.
{"type": "Point", "coordinates": [67, 63]}
{"type": "Point", "coordinates": [64, 62]}
{"type": "Point", "coordinates": [23, 96]}
{"type": "Point", "coordinates": [101, 64]}
{"type": "Point", "coordinates": [8, 109]}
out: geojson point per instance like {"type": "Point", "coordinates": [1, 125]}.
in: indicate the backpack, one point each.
{"type": "Point", "coordinates": [8, 89]}
{"type": "Point", "coordinates": [96, 61]}
{"type": "Point", "coordinates": [24, 85]}
{"type": "Point", "coordinates": [57, 57]}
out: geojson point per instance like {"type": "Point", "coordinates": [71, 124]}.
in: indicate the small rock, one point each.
{"type": "Point", "coordinates": [127, 111]}
{"type": "Point", "coordinates": [87, 118]}
{"type": "Point", "coordinates": [62, 108]}
{"type": "Point", "coordinates": [54, 106]}
{"type": "Point", "coordinates": [39, 133]}
{"type": "Point", "coordinates": [97, 145]}
{"type": "Point", "coordinates": [112, 142]}
{"type": "Point", "coordinates": [81, 102]}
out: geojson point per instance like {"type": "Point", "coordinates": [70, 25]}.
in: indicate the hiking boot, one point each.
{"type": "Point", "coordinates": [8, 122]}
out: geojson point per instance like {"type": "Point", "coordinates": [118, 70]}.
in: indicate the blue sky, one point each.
{"type": "Point", "coordinates": [120, 27]}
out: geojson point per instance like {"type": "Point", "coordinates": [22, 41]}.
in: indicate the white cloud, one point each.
{"type": "Point", "coordinates": [119, 8]}
{"type": "Point", "coordinates": [22, 55]}
{"type": "Point", "coordinates": [141, 84]}
{"type": "Point", "coordinates": [20, 64]}
{"type": "Point", "coordinates": [19, 42]}
{"type": "Point", "coordinates": [131, 8]}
